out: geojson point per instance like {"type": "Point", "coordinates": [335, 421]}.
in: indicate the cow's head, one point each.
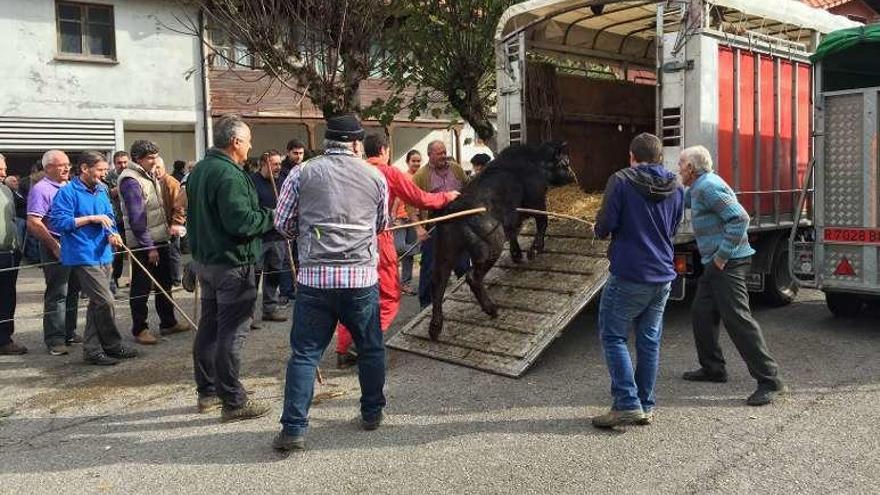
{"type": "Point", "coordinates": [556, 163]}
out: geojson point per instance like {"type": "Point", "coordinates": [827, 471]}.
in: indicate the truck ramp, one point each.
{"type": "Point", "coordinates": [536, 300]}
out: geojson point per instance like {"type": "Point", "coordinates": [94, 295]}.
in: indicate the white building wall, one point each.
{"type": "Point", "coordinates": [155, 79]}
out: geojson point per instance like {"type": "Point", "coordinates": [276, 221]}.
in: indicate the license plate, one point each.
{"type": "Point", "coordinates": [851, 236]}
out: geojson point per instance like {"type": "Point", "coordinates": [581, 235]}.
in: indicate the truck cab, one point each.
{"type": "Point", "coordinates": [732, 75]}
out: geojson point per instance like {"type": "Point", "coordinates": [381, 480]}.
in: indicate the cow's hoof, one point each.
{"type": "Point", "coordinates": [531, 254]}
{"type": "Point", "coordinates": [434, 331]}
{"type": "Point", "coordinates": [517, 257]}
{"type": "Point", "coordinates": [492, 310]}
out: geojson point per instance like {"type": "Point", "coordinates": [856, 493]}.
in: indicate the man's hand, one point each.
{"type": "Point", "coordinates": [452, 195]}
{"type": "Point", "coordinates": [55, 247]}
{"type": "Point", "coordinates": [115, 240]}
{"type": "Point", "coordinates": [104, 220]}
{"type": "Point", "coordinates": [177, 230]}
{"type": "Point", "coordinates": [421, 233]}
{"type": "Point", "coordinates": [719, 263]}
{"type": "Point", "coordinates": [153, 256]}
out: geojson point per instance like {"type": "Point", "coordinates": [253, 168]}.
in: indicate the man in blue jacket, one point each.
{"type": "Point", "coordinates": [641, 210]}
{"type": "Point", "coordinates": [83, 216]}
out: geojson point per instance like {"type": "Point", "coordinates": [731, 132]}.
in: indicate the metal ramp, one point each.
{"type": "Point", "coordinates": [536, 300]}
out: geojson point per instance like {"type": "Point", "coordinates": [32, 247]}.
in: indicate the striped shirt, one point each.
{"type": "Point", "coordinates": [720, 222]}
{"type": "Point", "coordinates": [324, 276]}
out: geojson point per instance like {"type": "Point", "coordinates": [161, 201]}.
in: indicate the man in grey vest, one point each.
{"type": "Point", "coordinates": [146, 233]}
{"type": "Point", "coordinates": [334, 208]}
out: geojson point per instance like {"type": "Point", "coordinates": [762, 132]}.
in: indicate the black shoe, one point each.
{"type": "Point", "coordinates": [124, 353]}
{"type": "Point", "coordinates": [285, 443]}
{"type": "Point", "coordinates": [764, 396]}
{"type": "Point", "coordinates": [250, 410]}
{"type": "Point", "coordinates": [76, 339]}
{"type": "Point", "coordinates": [101, 360]}
{"type": "Point", "coordinates": [701, 375]}
{"type": "Point", "coordinates": [274, 316]}
{"type": "Point", "coordinates": [346, 360]}
{"type": "Point", "coordinates": [372, 423]}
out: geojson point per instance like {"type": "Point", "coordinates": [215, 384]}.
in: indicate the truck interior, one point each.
{"type": "Point", "coordinates": [591, 66]}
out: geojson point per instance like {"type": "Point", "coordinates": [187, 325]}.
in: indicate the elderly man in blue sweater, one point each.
{"type": "Point", "coordinates": [721, 228]}
{"type": "Point", "coordinates": [641, 210]}
{"type": "Point", "coordinates": [83, 216]}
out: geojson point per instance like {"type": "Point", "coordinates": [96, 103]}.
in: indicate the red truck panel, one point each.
{"type": "Point", "coordinates": [769, 125]}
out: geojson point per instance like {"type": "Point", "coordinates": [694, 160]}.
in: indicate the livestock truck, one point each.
{"type": "Point", "coordinates": [732, 75]}
{"type": "Point", "coordinates": [840, 253]}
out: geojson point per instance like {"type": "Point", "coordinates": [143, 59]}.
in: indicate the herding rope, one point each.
{"type": "Point", "coordinates": [476, 211]}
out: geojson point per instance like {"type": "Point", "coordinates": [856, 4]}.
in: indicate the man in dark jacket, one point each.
{"type": "Point", "coordinates": [225, 223]}
{"type": "Point", "coordinates": [642, 207]}
{"type": "Point", "coordinates": [274, 251]}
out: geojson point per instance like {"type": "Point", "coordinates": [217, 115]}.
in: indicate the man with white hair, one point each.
{"type": "Point", "coordinates": [721, 228]}
{"type": "Point", "coordinates": [62, 289]}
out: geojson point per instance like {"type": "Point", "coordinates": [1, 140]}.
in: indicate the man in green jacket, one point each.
{"type": "Point", "coordinates": [225, 222]}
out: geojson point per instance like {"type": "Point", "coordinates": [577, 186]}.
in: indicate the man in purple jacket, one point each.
{"type": "Point", "coordinates": [641, 210]}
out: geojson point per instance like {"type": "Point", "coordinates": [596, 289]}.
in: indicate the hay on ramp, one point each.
{"type": "Point", "coordinates": [572, 200]}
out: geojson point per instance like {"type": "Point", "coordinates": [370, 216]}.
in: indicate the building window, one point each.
{"type": "Point", "coordinates": [86, 31]}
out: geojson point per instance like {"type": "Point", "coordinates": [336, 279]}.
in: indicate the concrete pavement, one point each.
{"type": "Point", "coordinates": [133, 428]}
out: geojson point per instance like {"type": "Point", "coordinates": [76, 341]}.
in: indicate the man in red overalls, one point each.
{"type": "Point", "coordinates": [402, 187]}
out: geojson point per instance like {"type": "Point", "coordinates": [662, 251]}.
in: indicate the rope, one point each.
{"type": "Point", "coordinates": [50, 263]}
{"type": "Point", "coordinates": [476, 211]}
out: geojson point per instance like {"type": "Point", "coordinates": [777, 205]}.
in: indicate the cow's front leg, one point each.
{"type": "Point", "coordinates": [443, 263]}
{"type": "Point", "coordinates": [511, 232]}
{"type": "Point", "coordinates": [537, 246]}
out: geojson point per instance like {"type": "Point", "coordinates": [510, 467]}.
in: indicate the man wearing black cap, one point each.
{"type": "Point", "coordinates": [334, 207]}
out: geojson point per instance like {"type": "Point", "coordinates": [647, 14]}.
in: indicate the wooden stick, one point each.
{"type": "Point", "coordinates": [551, 214]}
{"type": "Point", "coordinates": [459, 214]}
{"type": "Point", "coordinates": [156, 282]}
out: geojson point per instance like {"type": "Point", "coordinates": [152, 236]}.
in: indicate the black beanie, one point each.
{"type": "Point", "coordinates": [344, 128]}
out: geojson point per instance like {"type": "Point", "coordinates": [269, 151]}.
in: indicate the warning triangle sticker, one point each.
{"type": "Point", "coordinates": [845, 268]}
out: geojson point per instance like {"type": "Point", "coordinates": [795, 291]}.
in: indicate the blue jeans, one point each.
{"type": "Point", "coordinates": [315, 314]}
{"type": "Point", "coordinates": [626, 305]}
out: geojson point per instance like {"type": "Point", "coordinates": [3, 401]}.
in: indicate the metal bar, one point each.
{"type": "Point", "coordinates": [756, 165]}
{"type": "Point", "coordinates": [621, 23]}
{"type": "Point", "coordinates": [777, 137]}
{"type": "Point", "coordinates": [795, 116]}
{"type": "Point", "coordinates": [658, 43]}
{"type": "Point", "coordinates": [736, 101]}
{"type": "Point", "coordinates": [584, 18]}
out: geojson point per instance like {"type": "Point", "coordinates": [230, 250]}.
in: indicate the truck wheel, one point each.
{"type": "Point", "coordinates": [780, 288]}
{"type": "Point", "coordinates": [843, 305]}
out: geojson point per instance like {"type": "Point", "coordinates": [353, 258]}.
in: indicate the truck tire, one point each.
{"type": "Point", "coordinates": [780, 288]}
{"type": "Point", "coordinates": [843, 305]}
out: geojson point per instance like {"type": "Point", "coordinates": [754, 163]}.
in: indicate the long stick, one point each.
{"type": "Point", "coordinates": [551, 214]}
{"type": "Point", "coordinates": [156, 282]}
{"type": "Point", "coordinates": [320, 376]}
{"type": "Point", "coordinates": [464, 213]}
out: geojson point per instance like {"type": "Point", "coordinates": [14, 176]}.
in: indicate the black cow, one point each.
{"type": "Point", "coordinates": [517, 178]}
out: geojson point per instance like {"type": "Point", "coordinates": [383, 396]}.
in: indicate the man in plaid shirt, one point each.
{"type": "Point", "coordinates": [334, 206]}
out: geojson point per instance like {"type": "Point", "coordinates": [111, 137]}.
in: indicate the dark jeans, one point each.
{"type": "Point", "coordinates": [8, 259]}
{"type": "Point", "coordinates": [228, 296]}
{"type": "Point", "coordinates": [174, 254]}
{"type": "Point", "coordinates": [634, 306]}
{"type": "Point", "coordinates": [405, 241]}
{"type": "Point", "coordinates": [271, 261]}
{"type": "Point", "coordinates": [142, 286]}
{"type": "Point", "coordinates": [101, 333]}
{"type": "Point", "coordinates": [722, 296]}
{"type": "Point", "coordinates": [285, 279]}
{"type": "Point", "coordinates": [60, 301]}
{"type": "Point", "coordinates": [426, 268]}
{"type": "Point", "coordinates": [314, 320]}
{"type": "Point", "coordinates": [118, 263]}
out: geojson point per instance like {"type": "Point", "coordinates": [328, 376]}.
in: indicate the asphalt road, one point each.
{"type": "Point", "coordinates": [133, 428]}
